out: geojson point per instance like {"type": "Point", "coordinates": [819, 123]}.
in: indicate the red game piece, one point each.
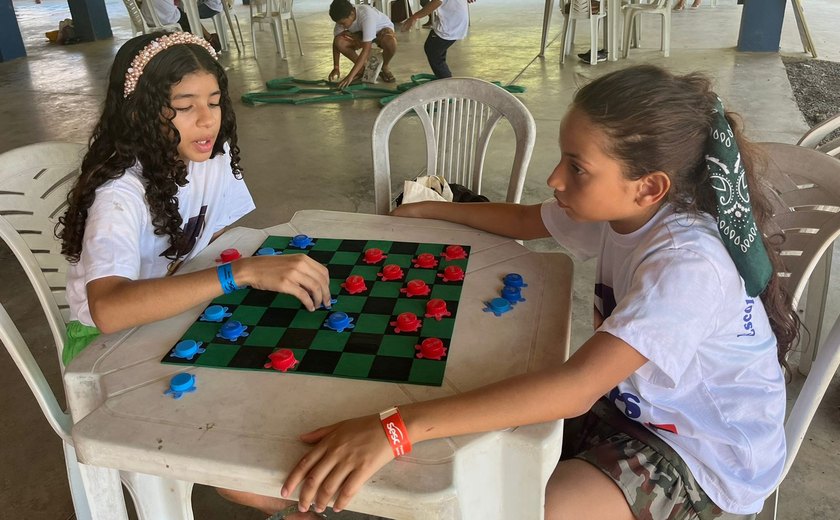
{"type": "Point", "coordinates": [425, 260]}
{"type": "Point", "coordinates": [229, 255]}
{"type": "Point", "coordinates": [390, 272]}
{"type": "Point", "coordinates": [282, 360]}
{"type": "Point", "coordinates": [454, 253]}
{"type": "Point", "coordinates": [452, 273]}
{"type": "Point", "coordinates": [436, 308]}
{"type": "Point", "coordinates": [354, 284]}
{"type": "Point", "coordinates": [431, 348]}
{"type": "Point", "coordinates": [406, 322]}
{"type": "Point", "coordinates": [374, 256]}
{"type": "Point", "coordinates": [416, 288]}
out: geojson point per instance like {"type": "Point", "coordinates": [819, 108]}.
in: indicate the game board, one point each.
{"type": "Point", "coordinates": [371, 349]}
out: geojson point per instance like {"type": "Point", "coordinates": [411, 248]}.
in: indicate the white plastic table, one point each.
{"type": "Point", "coordinates": [613, 33]}
{"type": "Point", "coordinates": [239, 429]}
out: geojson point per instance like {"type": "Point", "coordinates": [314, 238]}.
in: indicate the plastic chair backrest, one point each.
{"type": "Point", "coordinates": [35, 180]}
{"type": "Point", "coordinates": [458, 116]}
{"type": "Point", "coordinates": [580, 8]}
{"type": "Point", "coordinates": [815, 135]}
{"type": "Point", "coordinates": [138, 23]}
{"type": "Point", "coordinates": [804, 191]}
{"type": "Point", "coordinates": [150, 18]}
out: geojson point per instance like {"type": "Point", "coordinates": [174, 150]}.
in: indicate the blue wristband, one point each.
{"type": "Point", "coordinates": [225, 272]}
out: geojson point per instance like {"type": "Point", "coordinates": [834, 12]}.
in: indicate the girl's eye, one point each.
{"type": "Point", "coordinates": [215, 105]}
{"type": "Point", "coordinates": [183, 109]}
{"type": "Point", "coordinates": [578, 170]}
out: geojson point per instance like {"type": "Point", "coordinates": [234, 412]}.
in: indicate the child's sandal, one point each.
{"type": "Point", "coordinates": [387, 77]}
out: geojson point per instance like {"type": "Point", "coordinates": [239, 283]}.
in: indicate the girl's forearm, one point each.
{"type": "Point", "coordinates": [510, 220]}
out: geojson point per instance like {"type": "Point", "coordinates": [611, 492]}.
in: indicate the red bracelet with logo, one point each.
{"type": "Point", "coordinates": [395, 431]}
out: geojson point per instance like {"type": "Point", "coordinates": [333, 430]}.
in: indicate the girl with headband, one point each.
{"type": "Point", "coordinates": [679, 395]}
{"type": "Point", "coordinates": [160, 181]}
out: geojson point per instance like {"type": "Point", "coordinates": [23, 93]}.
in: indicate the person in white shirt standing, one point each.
{"type": "Point", "coordinates": [450, 24]}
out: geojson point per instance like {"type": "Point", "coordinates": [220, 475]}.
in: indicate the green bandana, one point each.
{"type": "Point", "coordinates": [735, 220]}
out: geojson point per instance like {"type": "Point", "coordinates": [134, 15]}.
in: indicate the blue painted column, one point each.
{"type": "Point", "coordinates": [90, 19]}
{"type": "Point", "coordinates": [11, 42]}
{"type": "Point", "coordinates": [761, 25]}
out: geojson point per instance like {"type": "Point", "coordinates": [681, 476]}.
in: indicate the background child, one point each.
{"type": "Point", "coordinates": [451, 23]}
{"type": "Point", "coordinates": [359, 27]}
{"type": "Point", "coordinates": [680, 388]}
{"type": "Point", "coordinates": [160, 181]}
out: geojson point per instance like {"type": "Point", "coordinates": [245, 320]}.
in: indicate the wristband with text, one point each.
{"type": "Point", "coordinates": [225, 272]}
{"type": "Point", "coordinates": [395, 431]}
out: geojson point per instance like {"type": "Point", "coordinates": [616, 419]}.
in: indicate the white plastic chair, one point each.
{"type": "Point", "coordinates": [818, 133]}
{"type": "Point", "coordinates": [34, 181]}
{"type": "Point", "coordinates": [146, 20]}
{"type": "Point", "coordinates": [804, 191]}
{"type": "Point", "coordinates": [273, 12]}
{"type": "Point", "coordinates": [580, 10]}
{"type": "Point", "coordinates": [659, 7]}
{"type": "Point", "coordinates": [191, 10]}
{"type": "Point", "coordinates": [806, 404]}
{"type": "Point", "coordinates": [458, 116]}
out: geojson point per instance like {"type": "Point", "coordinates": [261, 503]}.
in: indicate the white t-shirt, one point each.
{"type": "Point", "coordinates": [453, 20]}
{"type": "Point", "coordinates": [119, 236]}
{"type": "Point", "coordinates": [712, 387]}
{"type": "Point", "coordinates": [369, 21]}
{"type": "Point", "coordinates": [166, 11]}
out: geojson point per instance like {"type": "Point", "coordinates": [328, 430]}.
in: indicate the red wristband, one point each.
{"type": "Point", "coordinates": [395, 431]}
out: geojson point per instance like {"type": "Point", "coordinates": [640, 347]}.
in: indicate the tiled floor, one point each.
{"type": "Point", "coordinates": [318, 156]}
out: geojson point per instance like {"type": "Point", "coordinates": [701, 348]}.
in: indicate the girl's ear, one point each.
{"type": "Point", "coordinates": [652, 188]}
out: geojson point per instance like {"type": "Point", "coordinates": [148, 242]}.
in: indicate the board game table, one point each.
{"type": "Point", "coordinates": [239, 428]}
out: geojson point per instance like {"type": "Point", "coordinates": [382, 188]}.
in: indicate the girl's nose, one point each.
{"type": "Point", "coordinates": [557, 179]}
{"type": "Point", "coordinates": [205, 117]}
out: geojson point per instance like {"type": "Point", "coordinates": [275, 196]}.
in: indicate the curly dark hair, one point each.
{"type": "Point", "coordinates": [139, 129]}
{"type": "Point", "coordinates": [657, 121]}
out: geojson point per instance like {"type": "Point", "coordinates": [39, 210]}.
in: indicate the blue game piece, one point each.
{"type": "Point", "coordinates": [267, 251]}
{"type": "Point", "coordinates": [301, 241]}
{"type": "Point", "coordinates": [512, 294]}
{"type": "Point", "coordinates": [187, 349]}
{"type": "Point", "coordinates": [232, 331]}
{"type": "Point", "coordinates": [338, 321]}
{"type": "Point", "coordinates": [333, 301]}
{"type": "Point", "coordinates": [181, 384]}
{"type": "Point", "coordinates": [515, 280]}
{"type": "Point", "coordinates": [497, 306]}
{"type": "Point", "coordinates": [215, 313]}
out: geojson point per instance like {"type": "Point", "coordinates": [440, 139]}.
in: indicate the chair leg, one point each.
{"type": "Point", "coordinates": [104, 492]}
{"type": "Point", "coordinates": [565, 40]}
{"type": "Point", "coordinates": [297, 34]}
{"type": "Point", "coordinates": [666, 33]}
{"type": "Point", "coordinates": [254, 40]}
{"type": "Point", "coordinates": [628, 28]}
{"type": "Point", "coordinates": [277, 26]}
{"type": "Point", "coordinates": [77, 487]}
{"type": "Point", "coordinates": [220, 32]}
{"type": "Point", "coordinates": [593, 40]}
{"type": "Point", "coordinates": [814, 308]}
{"type": "Point", "coordinates": [230, 25]}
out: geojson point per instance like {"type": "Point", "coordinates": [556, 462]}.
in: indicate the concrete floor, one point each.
{"type": "Point", "coordinates": [317, 156]}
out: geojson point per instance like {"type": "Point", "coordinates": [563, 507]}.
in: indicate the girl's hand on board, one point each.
{"type": "Point", "coordinates": [408, 210]}
{"type": "Point", "coordinates": [347, 454]}
{"type": "Point", "coordinates": [297, 275]}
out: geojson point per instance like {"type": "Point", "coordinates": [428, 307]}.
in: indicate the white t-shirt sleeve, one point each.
{"type": "Point", "coordinates": [369, 26]}
{"type": "Point", "coordinates": [582, 239]}
{"type": "Point", "coordinates": [672, 306]}
{"type": "Point", "coordinates": [111, 245]}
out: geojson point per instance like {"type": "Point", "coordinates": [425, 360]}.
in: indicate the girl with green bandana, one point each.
{"type": "Point", "coordinates": [680, 391]}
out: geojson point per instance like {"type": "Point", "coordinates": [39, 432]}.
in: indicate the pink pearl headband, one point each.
{"type": "Point", "coordinates": [132, 75]}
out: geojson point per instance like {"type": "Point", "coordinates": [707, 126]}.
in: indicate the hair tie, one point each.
{"type": "Point", "coordinates": [132, 75]}
{"type": "Point", "coordinates": [735, 219]}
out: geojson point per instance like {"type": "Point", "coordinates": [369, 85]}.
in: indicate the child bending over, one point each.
{"type": "Point", "coordinates": [450, 24]}
{"type": "Point", "coordinates": [680, 392]}
{"type": "Point", "coordinates": [160, 181]}
{"type": "Point", "coordinates": [358, 28]}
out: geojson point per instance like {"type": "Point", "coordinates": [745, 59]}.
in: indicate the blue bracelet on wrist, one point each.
{"type": "Point", "coordinates": [225, 272]}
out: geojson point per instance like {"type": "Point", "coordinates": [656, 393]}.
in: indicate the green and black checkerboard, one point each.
{"type": "Point", "coordinates": [371, 350]}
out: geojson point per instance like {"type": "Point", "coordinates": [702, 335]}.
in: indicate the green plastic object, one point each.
{"type": "Point", "coordinates": [288, 91]}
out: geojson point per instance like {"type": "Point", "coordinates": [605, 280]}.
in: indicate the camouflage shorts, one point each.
{"type": "Point", "coordinates": [654, 479]}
